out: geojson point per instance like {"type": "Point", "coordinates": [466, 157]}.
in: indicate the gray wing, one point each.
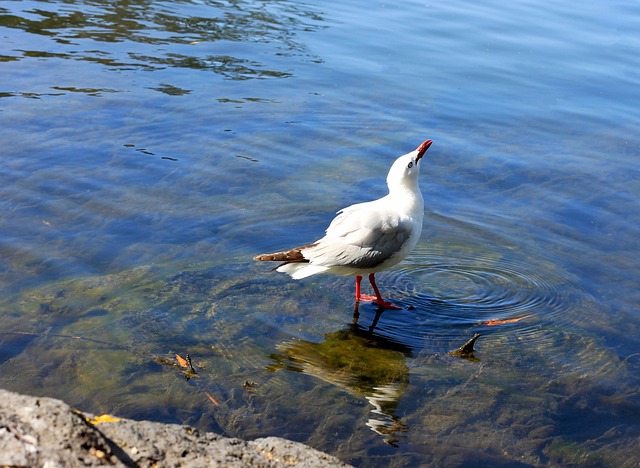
{"type": "Point", "coordinates": [359, 237]}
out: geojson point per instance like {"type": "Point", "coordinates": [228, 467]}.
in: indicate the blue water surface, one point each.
{"type": "Point", "coordinates": [150, 149]}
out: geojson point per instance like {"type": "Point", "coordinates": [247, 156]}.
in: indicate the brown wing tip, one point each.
{"type": "Point", "coordinates": [289, 256]}
{"type": "Point", "coordinates": [266, 258]}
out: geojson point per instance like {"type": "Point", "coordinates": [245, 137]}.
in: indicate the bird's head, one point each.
{"type": "Point", "coordinates": [405, 170]}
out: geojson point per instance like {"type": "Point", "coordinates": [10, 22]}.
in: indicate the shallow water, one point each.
{"type": "Point", "coordinates": [150, 149]}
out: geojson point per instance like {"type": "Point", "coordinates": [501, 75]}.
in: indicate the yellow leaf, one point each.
{"type": "Point", "coordinates": [103, 418]}
{"type": "Point", "coordinates": [182, 361]}
{"type": "Point", "coordinates": [493, 323]}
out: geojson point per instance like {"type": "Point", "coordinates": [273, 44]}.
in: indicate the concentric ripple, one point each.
{"type": "Point", "coordinates": [476, 289]}
{"type": "Point", "coordinates": [448, 291]}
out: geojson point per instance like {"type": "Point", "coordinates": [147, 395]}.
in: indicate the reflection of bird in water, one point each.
{"type": "Point", "coordinates": [386, 423]}
{"type": "Point", "coordinates": [361, 363]}
{"type": "Point", "coordinates": [368, 237]}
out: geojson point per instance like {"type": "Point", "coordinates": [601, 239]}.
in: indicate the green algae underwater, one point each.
{"type": "Point", "coordinates": [109, 345]}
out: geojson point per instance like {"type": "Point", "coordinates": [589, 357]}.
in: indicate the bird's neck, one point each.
{"type": "Point", "coordinates": [407, 196]}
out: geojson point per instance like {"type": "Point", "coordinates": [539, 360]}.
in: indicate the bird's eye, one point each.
{"type": "Point", "coordinates": [410, 164]}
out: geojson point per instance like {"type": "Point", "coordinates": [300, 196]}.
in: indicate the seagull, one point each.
{"type": "Point", "coordinates": [366, 238]}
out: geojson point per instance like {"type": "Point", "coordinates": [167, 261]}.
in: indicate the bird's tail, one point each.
{"type": "Point", "coordinates": [287, 256]}
{"type": "Point", "coordinates": [293, 262]}
{"type": "Point", "coordinates": [300, 270]}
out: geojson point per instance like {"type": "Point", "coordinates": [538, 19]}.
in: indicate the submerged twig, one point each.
{"type": "Point", "coordinates": [466, 350]}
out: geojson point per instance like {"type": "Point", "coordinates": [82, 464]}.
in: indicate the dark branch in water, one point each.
{"type": "Point", "coordinates": [466, 350]}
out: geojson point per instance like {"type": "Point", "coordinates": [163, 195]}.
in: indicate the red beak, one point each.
{"type": "Point", "coordinates": [423, 148]}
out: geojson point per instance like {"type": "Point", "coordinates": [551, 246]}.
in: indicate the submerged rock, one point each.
{"type": "Point", "coordinates": [47, 432]}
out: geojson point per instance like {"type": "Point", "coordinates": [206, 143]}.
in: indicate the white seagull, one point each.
{"type": "Point", "coordinates": [366, 238]}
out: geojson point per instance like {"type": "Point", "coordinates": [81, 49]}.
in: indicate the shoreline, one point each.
{"type": "Point", "coordinates": [41, 431]}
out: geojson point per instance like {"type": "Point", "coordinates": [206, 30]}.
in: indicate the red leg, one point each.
{"type": "Point", "coordinates": [368, 298]}
{"type": "Point", "coordinates": [359, 295]}
{"type": "Point", "coordinates": [356, 307]}
{"type": "Point", "coordinates": [381, 302]}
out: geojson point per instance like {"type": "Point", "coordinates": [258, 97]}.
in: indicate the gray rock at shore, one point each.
{"type": "Point", "coordinates": [45, 432]}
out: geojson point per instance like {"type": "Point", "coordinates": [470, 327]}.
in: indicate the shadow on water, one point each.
{"type": "Point", "coordinates": [361, 362]}
{"type": "Point", "coordinates": [364, 363]}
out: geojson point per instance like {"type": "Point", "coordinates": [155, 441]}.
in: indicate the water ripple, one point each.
{"type": "Point", "coordinates": [448, 291]}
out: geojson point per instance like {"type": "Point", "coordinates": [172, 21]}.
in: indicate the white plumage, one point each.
{"type": "Point", "coordinates": [366, 238]}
